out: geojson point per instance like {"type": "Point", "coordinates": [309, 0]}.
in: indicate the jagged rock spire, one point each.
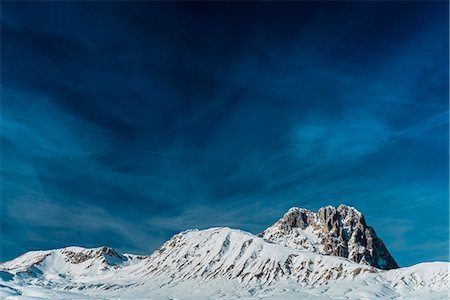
{"type": "Point", "coordinates": [339, 231]}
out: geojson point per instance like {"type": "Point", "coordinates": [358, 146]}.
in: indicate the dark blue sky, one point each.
{"type": "Point", "coordinates": [124, 123]}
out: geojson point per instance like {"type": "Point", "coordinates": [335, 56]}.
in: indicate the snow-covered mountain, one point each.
{"type": "Point", "coordinates": [234, 254]}
{"type": "Point", "coordinates": [74, 260]}
{"type": "Point", "coordinates": [217, 263]}
{"type": "Point", "coordinates": [340, 231]}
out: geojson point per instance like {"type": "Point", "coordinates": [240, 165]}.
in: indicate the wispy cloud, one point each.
{"type": "Point", "coordinates": [220, 119]}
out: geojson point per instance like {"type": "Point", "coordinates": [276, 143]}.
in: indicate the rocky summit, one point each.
{"type": "Point", "coordinates": [339, 231]}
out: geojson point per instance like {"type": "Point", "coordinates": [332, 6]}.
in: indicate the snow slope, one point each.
{"type": "Point", "coordinates": [216, 263]}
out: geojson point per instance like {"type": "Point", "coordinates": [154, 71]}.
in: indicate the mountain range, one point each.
{"type": "Point", "coordinates": [328, 254]}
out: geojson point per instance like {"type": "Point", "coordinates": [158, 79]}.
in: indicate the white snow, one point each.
{"type": "Point", "coordinates": [210, 264]}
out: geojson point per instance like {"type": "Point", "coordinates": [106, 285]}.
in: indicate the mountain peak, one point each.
{"type": "Point", "coordinates": [339, 231]}
{"type": "Point", "coordinates": [80, 260]}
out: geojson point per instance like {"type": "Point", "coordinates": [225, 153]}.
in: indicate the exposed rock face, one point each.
{"type": "Point", "coordinates": [340, 231]}
{"type": "Point", "coordinates": [106, 255]}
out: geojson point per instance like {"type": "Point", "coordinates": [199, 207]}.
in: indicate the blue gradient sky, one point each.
{"type": "Point", "coordinates": [124, 123]}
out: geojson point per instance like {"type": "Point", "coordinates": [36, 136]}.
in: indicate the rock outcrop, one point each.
{"type": "Point", "coordinates": [339, 231]}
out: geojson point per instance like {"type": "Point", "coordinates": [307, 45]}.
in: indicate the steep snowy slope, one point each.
{"type": "Point", "coordinates": [340, 231]}
{"type": "Point", "coordinates": [234, 254]}
{"type": "Point", "coordinates": [216, 263]}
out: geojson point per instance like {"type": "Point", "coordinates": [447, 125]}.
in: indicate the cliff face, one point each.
{"type": "Point", "coordinates": [339, 231]}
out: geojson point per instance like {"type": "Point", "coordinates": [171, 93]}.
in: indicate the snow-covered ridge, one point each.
{"type": "Point", "coordinates": [67, 268]}
{"type": "Point", "coordinates": [221, 263]}
{"type": "Point", "coordinates": [234, 254]}
{"type": "Point", "coordinates": [79, 260]}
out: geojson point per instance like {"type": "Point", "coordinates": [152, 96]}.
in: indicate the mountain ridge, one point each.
{"type": "Point", "coordinates": [222, 262]}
